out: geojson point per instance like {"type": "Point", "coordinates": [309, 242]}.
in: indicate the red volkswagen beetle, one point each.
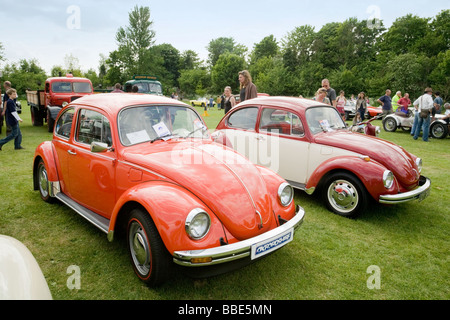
{"type": "Point", "coordinates": [147, 165]}
{"type": "Point", "coordinates": [309, 145]}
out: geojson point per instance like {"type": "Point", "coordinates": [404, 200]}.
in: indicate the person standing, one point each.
{"type": "Point", "coordinates": [398, 96]}
{"type": "Point", "coordinates": [117, 88]}
{"type": "Point", "coordinates": [228, 101]}
{"type": "Point", "coordinates": [425, 105]}
{"type": "Point", "coordinates": [386, 103]}
{"type": "Point", "coordinates": [247, 87]}
{"type": "Point", "coordinates": [331, 93]}
{"type": "Point", "coordinates": [13, 119]}
{"type": "Point", "coordinates": [438, 102]}
{"type": "Point", "coordinates": [361, 105]}
{"type": "Point", "coordinates": [321, 96]}
{"type": "Point", "coordinates": [340, 104]}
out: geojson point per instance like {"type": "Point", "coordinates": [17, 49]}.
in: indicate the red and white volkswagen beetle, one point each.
{"type": "Point", "coordinates": [147, 165]}
{"type": "Point", "coordinates": [309, 145]}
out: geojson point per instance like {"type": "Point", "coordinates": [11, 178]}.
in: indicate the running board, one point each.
{"type": "Point", "coordinates": [97, 220]}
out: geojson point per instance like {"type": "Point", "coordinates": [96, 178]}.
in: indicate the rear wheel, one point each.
{"type": "Point", "coordinates": [439, 130]}
{"type": "Point", "coordinates": [149, 257]}
{"type": "Point", "coordinates": [345, 195]}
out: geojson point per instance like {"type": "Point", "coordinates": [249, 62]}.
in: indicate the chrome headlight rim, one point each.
{"type": "Point", "coordinates": [419, 164]}
{"type": "Point", "coordinates": [282, 189]}
{"type": "Point", "coordinates": [388, 179]}
{"type": "Point", "coordinates": [191, 220]}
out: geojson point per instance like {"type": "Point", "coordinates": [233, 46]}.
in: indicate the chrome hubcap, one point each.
{"type": "Point", "coordinates": [140, 251]}
{"type": "Point", "coordinates": [43, 181]}
{"type": "Point", "coordinates": [343, 196]}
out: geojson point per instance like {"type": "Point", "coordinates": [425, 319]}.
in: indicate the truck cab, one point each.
{"type": "Point", "coordinates": [145, 84]}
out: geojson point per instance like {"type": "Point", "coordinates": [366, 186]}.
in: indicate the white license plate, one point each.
{"type": "Point", "coordinates": [267, 246]}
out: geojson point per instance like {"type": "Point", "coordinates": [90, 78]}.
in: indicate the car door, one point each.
{"type": "Point", "coordinates": [283, 146]}
{"type": "Point", "coordinates": [61, 142]}
{"type": "Point", "coordinates": [92, 175]}
{"type": "Point", "coordinates": [241, 132]}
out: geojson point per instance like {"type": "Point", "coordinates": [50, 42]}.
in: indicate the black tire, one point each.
{"type": "Point", "coordinates": [149, 257]}
{"type": "Point", "coordinates": [42, 178]}
{"type": "Point", "coordinates": [439, 130]}
{"type": "Point", "coordinates": [345, 195]}
{"type": "Point", "coordinates": [389, 124]}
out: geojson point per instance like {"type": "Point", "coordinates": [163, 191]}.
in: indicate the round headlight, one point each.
{"type": "Point", "coordinates": [419, 164]}
{"type": "Point", "coordinates": [388, 179]}
{"type": "Point", "coordinates": [286, 194]}
{"type": "Point", "coordinates": [197, 224]}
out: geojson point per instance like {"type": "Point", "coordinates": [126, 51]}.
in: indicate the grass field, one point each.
{"type": "Point", "coordinates": [330, 258]}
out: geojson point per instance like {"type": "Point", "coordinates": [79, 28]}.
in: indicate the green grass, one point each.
{"type": "Point", "coordinates": [328, 258]}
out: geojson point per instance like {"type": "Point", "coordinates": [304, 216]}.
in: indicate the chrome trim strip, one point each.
{"type": "Point", "coordinates": [237, 250]}
{"type": "Point", "coordinates": [418, 193]}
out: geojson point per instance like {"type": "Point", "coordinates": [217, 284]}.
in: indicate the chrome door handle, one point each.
{"type": "Point", "coordinates": [260, 138]}
{"type": "Point", "coordinates": [72, 152]}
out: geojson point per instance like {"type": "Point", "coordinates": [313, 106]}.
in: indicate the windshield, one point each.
{"type": "Point", "coordinates": [82, 87]}
{"type": "Point", "coordinates": [66, 86]}
{"type": "Point", "coordinates": [151, 123]}
{"type": "Point", "coordinates": [322, 119]}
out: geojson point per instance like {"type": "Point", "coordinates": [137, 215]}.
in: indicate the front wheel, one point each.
{"type": "Point", "coordinates": [345, 195]}
{"type": "Point", "coordinates": [149, 257]}
{"type": "Point", "coordinates": [389, 124]}
{"type": "Point", "coordinates": [44, 186]}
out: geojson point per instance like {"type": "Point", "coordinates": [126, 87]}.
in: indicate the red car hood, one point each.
{"type": "Point", "coordinates": [226, 182]}
{"type": "Point", "coordinates": [390, 155]}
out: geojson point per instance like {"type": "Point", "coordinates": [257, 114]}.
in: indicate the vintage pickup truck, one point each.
{"type": "Point", "coordinates": [59, 91]}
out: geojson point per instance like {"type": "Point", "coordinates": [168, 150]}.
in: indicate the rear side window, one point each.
{"type": "Point", "coordinates": [64, 124]}
{"type": "Point", "coordinates": [244, 118]}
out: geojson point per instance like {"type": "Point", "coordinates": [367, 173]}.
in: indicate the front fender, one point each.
{"type": "Point", "coordinates": [368, 171]}
{"type": "Point", "coordinates": [168, 205]}
{"type": "Point", "coordinates": [45, 152]}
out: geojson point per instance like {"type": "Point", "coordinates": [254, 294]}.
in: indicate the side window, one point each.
{"type": "Point", "coordinates": [244, 119]}
{"type": "Point", "coordinates": [93, 127]}
{"type": "Point", "coordinates": [64, 124]}
{"type": "Point", "coordinates": [281, 122]}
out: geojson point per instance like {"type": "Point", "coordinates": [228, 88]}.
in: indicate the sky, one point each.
{"type": "Point", "coordinates": [50, 30]}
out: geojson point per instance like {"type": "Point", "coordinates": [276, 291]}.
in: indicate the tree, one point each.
{"type": "Point", "coordinates": [225, 72]}
{"type": "Point", "coordinates": [219, 46]}
{"type": "Point", "coordinates": [296, 47]}
{"type": "Point", "coordinates": [134, 41]}
{"type": "Point", "coordinates": [194, 81]}
{"type": "Point", "coordinates": [27, 74]}
{"type": "Point", "coordinates": [267, 47]}
{"type": "Point", "coordinates": [189, 60]}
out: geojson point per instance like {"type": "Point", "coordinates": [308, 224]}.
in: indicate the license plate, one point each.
{"type": "Point", "coordinates": [267, 246]}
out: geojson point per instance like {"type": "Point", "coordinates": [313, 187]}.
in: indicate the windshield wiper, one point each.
{"type": "Point", "coordinates": [161, 138]}
{"type": "Point", "coordinates": [191, 133]}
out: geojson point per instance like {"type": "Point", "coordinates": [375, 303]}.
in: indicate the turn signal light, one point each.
{"type": "Point", "coordinates": [201, 260]}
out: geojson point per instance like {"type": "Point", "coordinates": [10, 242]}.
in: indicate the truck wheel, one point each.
{"type": "Point", "coordinates": [345, 195]}
{"type": "Point", "coordinates": [439, 130]}
{"type": "Point", "coordinates": [390, 125]}
{"type": "Point", "coordinates": [149, 257]}
{"type": "Point", "coordinates": [43, 182]}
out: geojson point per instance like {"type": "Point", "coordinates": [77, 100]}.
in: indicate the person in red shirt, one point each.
{"type": "Point", "coordinates": [403, 104]}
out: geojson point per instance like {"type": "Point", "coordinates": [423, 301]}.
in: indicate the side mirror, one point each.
{"type": "Point", "coordinates": [99, 147]}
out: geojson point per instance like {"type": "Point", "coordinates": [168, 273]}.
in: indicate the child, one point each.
{"type": "Point", "coordinates": [13, 119]}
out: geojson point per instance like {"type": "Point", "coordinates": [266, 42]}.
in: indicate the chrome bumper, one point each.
{"type": "Point", "coordinates": [420, 193]}
{"type": "Point", "coordinates": [237, 250]}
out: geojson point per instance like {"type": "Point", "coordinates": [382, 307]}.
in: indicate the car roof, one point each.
{"type": "Point", "coordinates": [295, 103]}
{"type": "Point", "coordinates": [113, 102]}
{"type": "Point", "coordinates": [68, 79]}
